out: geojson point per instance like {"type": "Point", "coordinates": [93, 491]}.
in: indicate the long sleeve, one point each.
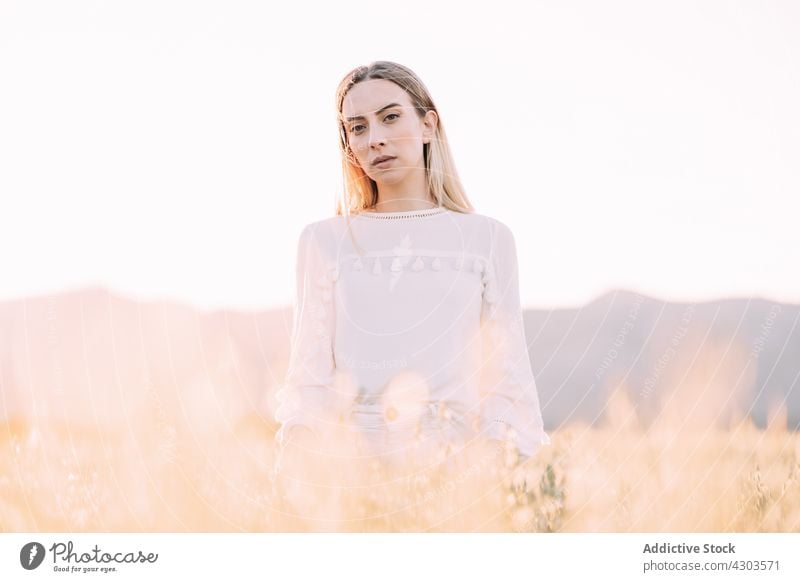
{"type": "Point", "coordinates": [510, 405]}
{"type": "Point", "coordinates": [307, 396]}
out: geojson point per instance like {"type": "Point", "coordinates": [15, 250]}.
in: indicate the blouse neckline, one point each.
{"type": "Point", "coordinates": [404, 214]}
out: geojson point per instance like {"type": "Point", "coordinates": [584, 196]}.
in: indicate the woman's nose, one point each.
{"type": "Point", "coordinates": [376, 137]}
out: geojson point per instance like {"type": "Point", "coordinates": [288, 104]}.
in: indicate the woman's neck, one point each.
{"type": "Point", "coordinates": [411, 193]}
{"type": "Point", "coordinates": [403, 204]}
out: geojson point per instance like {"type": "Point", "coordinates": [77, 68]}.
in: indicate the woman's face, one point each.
{"type": "Point", "coordinates": [380, 121]}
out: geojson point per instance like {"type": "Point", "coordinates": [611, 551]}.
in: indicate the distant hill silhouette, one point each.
{"type": "Point", "coordinates": [706, 362]}
{"type": "Point", "coordinates": [92, 358]}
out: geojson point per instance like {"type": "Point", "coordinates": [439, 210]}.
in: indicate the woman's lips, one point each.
{"type": "Point", "coordinates": [384, 163]}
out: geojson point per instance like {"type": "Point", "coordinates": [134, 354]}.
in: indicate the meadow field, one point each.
{"type": "Point", "coordinates": [153, 477]}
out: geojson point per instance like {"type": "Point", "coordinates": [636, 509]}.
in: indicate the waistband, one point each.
{"type": "Point", "coordinates": [434, 414]}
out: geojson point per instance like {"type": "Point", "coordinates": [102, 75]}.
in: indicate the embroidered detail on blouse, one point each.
{"type": "Point", "coordinates": [318, 308]}
{"type": "Point", "coordinates": [405, 214]}
{"type": "Point", "coordinates": [491, 294]}
{"type": "Point", "coordinates": [460, 262]}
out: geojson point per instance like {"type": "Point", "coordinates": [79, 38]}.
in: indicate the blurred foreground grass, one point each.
{"type": "Point", "coordinates": [158, 478]}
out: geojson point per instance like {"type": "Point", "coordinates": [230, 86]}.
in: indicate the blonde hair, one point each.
{"type": "Point", "coordinates": [360, 191]}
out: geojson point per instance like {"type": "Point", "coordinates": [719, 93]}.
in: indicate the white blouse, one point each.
{"type": "Point", "coordinates": [410, 323]}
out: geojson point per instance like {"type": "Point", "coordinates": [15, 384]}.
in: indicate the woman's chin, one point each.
{"type": "Point", "coordinates": [388, 177]}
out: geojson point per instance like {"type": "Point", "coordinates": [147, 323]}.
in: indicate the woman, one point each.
{"type": "Point", "coordinates": [408, 327]}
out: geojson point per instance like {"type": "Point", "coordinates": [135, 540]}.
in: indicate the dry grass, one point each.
{"type": "Point", "coordinates": [158, 478]}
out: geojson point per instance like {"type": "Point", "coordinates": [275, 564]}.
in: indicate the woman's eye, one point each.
{"type": "Point", "coordinates": [355, 128]}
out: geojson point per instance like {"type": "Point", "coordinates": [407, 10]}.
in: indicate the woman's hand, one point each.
{"type": "Point", "coordinates": [302, 436]}
{"type": "Point", "coordinates": [507, 452]}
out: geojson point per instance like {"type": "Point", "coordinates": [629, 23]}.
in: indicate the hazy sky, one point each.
{"type": "Point", "coordinates": [175, 149]}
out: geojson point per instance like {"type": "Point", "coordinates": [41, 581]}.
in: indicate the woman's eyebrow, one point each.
{"type": "Point", "coordinates": [377, 112]}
